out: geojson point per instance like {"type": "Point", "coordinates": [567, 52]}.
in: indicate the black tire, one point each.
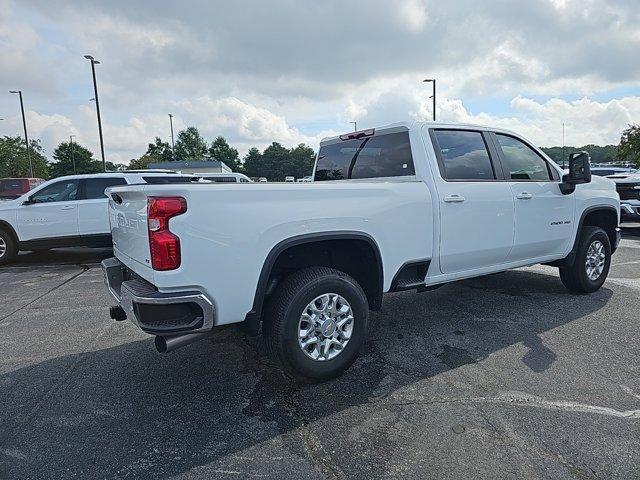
{"type": "Point", "coordinates": [287, 305]}
{"type": "Point", "coordinates": [11, 249]}
{"type": "Point", "coordinates": [575, 278]}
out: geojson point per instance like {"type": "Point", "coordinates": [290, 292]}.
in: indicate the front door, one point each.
{"type": "Point", "coordinates": [52, 212]}
{"type": "Point", "coordinates": [543, 215]}
{"type": "Point", "coordinates": [476, 207]}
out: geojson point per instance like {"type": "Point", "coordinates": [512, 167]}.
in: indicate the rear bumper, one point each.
{"type": "Point", "coordinates": [153, 311]}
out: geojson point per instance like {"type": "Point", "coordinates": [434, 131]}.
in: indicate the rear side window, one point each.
{"type": "Point", "coordinates": [463, 155]}
{"type": "Point", "coordinates": [521, 161]}
{"type": "Point", "coordinates": [95, 187]}
{"type": "Point", "coordinates": [161, 180]}
{"type": "Point", "coordinates": [387, 155]}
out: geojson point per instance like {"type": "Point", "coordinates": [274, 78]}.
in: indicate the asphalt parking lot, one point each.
{"type": "Point", "coordinates": [505, 376]}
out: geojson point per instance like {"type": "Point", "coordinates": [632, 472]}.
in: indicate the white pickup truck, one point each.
{"type": "Point", "coordinates": [401, 207]}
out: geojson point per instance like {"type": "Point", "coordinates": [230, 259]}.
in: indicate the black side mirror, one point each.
{"type": "Point", "coordinates": [579, 172]}
{"type": "Point", "coordinates": [28, 201]}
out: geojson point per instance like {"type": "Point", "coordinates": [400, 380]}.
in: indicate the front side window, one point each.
{"type": "Point", "coordinates": [464, 155]}
{"type": "Point", "coordinates": [522, 162]}
{"type": "Point", "coordinates": [62, 191]}
{"type": "Point", "coordinates": [386, 155]}
{"type": "Point", "coordinates": [95, 187]}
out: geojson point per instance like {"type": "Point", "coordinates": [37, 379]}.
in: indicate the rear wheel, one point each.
{"type": "Point", "coordinates": [591, 265]}
{"type": "Point", "coordinates": [8, 247]}
{"type": "Point", "coordinates": [317, 322]}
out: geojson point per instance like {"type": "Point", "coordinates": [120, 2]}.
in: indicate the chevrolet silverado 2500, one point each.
{"type": "Point", "coordinates": [409, 206]}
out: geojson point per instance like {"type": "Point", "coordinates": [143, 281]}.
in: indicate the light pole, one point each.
{"type": "Point", "coordinates": [95, 62]}
{"type": "Point", "coordinates": [24, 124]}
{"type": "Point", "coordinates": [173, 147]}
{"type": "Point", "coordinates": [428, 80]}
{"type": "Point", "coordinates": [73, 159]}
{"type": "Point", "coordinates": [355, 126]}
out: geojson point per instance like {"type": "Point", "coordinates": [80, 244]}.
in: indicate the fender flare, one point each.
{"type": "Point", "coordinates": [253, 318]}
{"type": "Point", "coordinates": [570, 258]}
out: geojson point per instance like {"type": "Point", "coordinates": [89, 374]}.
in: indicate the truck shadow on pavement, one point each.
{"type": "Point", "coordinates": [125, 411]}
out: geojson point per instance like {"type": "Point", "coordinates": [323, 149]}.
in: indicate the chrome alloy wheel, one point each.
{"type": "Point", "coordinates": [3, 247]}
{"type": "Point", "coordinates": [595, 260]}
{"type": "Point", "coordinates": [325, 327]}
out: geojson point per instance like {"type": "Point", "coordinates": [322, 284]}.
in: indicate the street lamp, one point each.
{"type": "Point", "coordinates": [428, 80]}
{"type": "Point", "coordinates": [24, 124]}
{"type": "Point", "coordinates": [95, 62]}
{"type": "Point", "coordinates": [73, 159]}
{"type": "Point", "coordinates": [173, 147]}
{"type": "Point", "coordinates": [355, 126]}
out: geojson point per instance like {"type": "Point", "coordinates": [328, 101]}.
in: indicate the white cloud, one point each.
{"type": "Point", "coordinates": [293, 72]}
{"type": "Point", "coordinates": [412, 14]}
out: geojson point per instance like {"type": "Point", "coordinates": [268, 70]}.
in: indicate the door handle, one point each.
{"type": "Point", "coordinates": [68, 207]}
{"type": "Point", "coordinates": [454, 198]}
{"type": "Point", "coordinates": [524, 196]}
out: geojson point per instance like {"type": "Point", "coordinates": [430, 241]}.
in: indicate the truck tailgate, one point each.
{"type": "Point", "coordinates": [128, 219]}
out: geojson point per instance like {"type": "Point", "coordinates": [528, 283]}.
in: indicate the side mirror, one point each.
{"type": "Point", "coordinates": [28, 201]}
{"type": "Point", "coordinates": [579, 172]}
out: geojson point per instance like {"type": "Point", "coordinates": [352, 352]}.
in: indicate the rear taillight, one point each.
{"type": "Point", "coordinates": [164, 245]}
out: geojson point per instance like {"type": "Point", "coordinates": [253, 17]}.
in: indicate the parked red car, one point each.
{"type": "Point", "coordinates": [11, 188]}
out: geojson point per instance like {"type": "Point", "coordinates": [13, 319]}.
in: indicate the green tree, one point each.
{"type": "Point", "coordinates": [252, 163]}
{"type": "Point", "coordinates": [629, 148]}
{"type": "Point", "coordinates": [190, 145]}
{"type": "Point", "coordinates": [302, 160]}
{"type": "Point", "coordinates": [142, 162]}
{"type": "Point", "coordinates": [14, 161]}
{"type": "Point", "coordinates": [67, 154]}
{"type": "Point", "coordinates": [160, 150]}
{"type": "Point", "coordinates": [276, 162]}
{"type": "Point", "coordinates": [114, 167]}
{"type": "Point", "coordinates": [220, 150]}
{"type": "Point", "coordinates": [598, 154]}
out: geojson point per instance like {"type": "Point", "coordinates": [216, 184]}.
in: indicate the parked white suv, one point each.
{"type": "Point", "coordinates": [409, 206]}
{"type": "Point", "coordinates": [67, 211]}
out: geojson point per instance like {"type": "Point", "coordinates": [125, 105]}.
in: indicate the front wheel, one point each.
{"type": "Point", "coordinates": [317, 322]}
{"type": "Point", "coordinates": [8, 247]}
{"type": "Point", "coordinates": [591, 264]}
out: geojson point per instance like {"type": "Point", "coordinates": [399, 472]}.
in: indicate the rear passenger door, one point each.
{"type": "Point", "coordinates": [543, 215]}
{"type": "Point", "coordinates": [476, 204]}
{"type": "Point", "coordinates": [93, 213]}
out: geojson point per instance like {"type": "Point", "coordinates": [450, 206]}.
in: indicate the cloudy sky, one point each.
{"type": "Point", "coordinates": [293, 71]}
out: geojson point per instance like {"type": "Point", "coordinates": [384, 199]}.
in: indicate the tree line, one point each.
{"type": "Point", "coordinates": [275, 162]}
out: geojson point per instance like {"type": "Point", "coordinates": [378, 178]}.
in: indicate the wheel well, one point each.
{"type": "Point", "coordinates": [356, 258]}
{"type": "Point", "coordinates": [607, 219]}
{"type": "Point", "coordinates": [356, 255]}
{"type": "Point", "coordinates": [9, 229]}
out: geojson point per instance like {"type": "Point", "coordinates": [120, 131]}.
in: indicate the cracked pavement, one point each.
{"type": "Point", "coordinates": [504, 376]}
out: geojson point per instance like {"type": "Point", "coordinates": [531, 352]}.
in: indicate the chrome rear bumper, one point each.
{"type": "Point", "coordinates": [153, 311]}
